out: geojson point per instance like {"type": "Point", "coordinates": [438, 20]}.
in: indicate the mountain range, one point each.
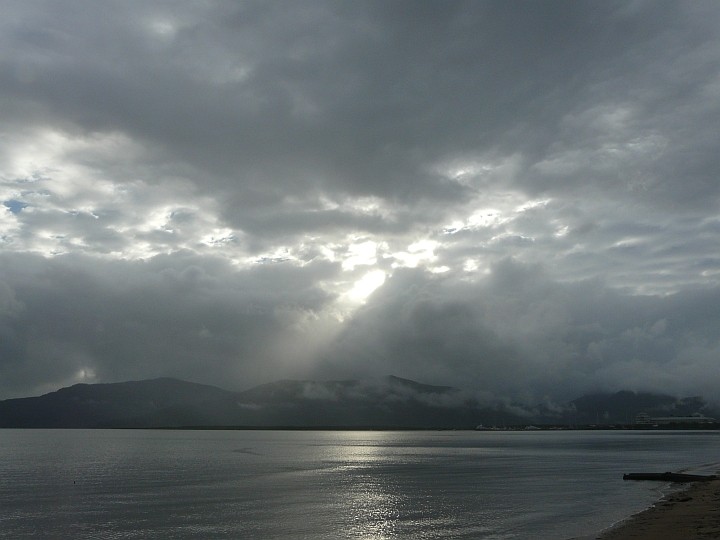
{"type": "Point", "coordinates": [388, 402]}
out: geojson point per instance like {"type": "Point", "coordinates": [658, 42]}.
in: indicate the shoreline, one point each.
{"type": "Point", "coordinates": [692, 512]}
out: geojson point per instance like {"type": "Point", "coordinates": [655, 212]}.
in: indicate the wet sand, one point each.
{"type": "Point", "coordinates": [689, 514]}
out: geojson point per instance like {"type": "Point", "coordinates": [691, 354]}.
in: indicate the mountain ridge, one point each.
{"type": "Point", "coordinates": [382, 402]}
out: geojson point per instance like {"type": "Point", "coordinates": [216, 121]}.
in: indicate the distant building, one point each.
{"type": "Point", "coordinates": [645, 419]}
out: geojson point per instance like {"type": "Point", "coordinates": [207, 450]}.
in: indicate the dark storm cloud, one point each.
{"type": "Point", "coordinates": [365, 98]}
{"type": "Point", "coordinates": [517, 333]}
{"type": "Point", "coordinates": [548, 170]}
{"type": "Point", "coordinates": [76, 318]}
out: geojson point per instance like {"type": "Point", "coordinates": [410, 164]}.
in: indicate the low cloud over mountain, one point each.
{"type": "Point", "coordinates": [385, 402]}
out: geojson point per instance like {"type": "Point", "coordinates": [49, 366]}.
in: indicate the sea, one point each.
{"type": "Point", "coordinates": [178, 484]}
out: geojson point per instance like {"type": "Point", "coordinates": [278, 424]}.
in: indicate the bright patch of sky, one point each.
{"type": "Point", "coordinates": [418, 253]}
{"type": "Point", "coordinates": [366, 285]}
{"type": "Point", "coordinates": [363, 253]}
{"type": "Point", "coordinates": [14, 206]}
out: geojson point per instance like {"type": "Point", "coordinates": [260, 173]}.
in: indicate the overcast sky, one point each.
{"type": "Point", "coordinates": [517, 198]}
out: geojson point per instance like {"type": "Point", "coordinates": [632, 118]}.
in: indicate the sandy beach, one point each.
{"type": "Point", "coordinates": [689, 514]}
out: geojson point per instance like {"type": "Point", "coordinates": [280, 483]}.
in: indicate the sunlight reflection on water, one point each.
{"type": "Point", "coordinates": [327, 485]}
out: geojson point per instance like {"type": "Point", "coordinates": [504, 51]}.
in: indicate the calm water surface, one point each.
{"type": "Point", "coordinates": [329, 485]}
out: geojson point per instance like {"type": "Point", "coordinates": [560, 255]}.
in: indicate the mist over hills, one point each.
{"type": "Point", "coordinates": [385, 402]}
{"type": "Point", "coordinates": [623, 406]}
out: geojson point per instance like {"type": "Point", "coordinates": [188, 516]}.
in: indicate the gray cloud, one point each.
{"type": "Point", "coordinates": [518, 333]}
{"type": "Point", "coordinates": [164, 166]}
{"type": "Point", "coordinates": [195, 317]}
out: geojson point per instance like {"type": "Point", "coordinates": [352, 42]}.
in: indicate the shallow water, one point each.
{"type": "Point", "coordinates": [327, 485]}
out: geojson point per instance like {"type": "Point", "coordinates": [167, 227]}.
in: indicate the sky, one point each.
{"type": "Point", "coordinates": [517, 198]}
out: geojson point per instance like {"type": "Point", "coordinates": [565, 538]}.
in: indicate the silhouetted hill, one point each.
{"type": "Point", "coordinates": [383, 402]}
{"type": "Point", "coordinates": [379, 402]}
{"type": "Point", "coordinates": [621, 408]}
{"type": "Point", "coordinates": [624, 406]}
{"type": "Point", "coordinates": [131, 403]}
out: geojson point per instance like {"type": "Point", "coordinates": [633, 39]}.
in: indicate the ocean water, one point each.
{"type": "Point", "coordinates": [332, 485]}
